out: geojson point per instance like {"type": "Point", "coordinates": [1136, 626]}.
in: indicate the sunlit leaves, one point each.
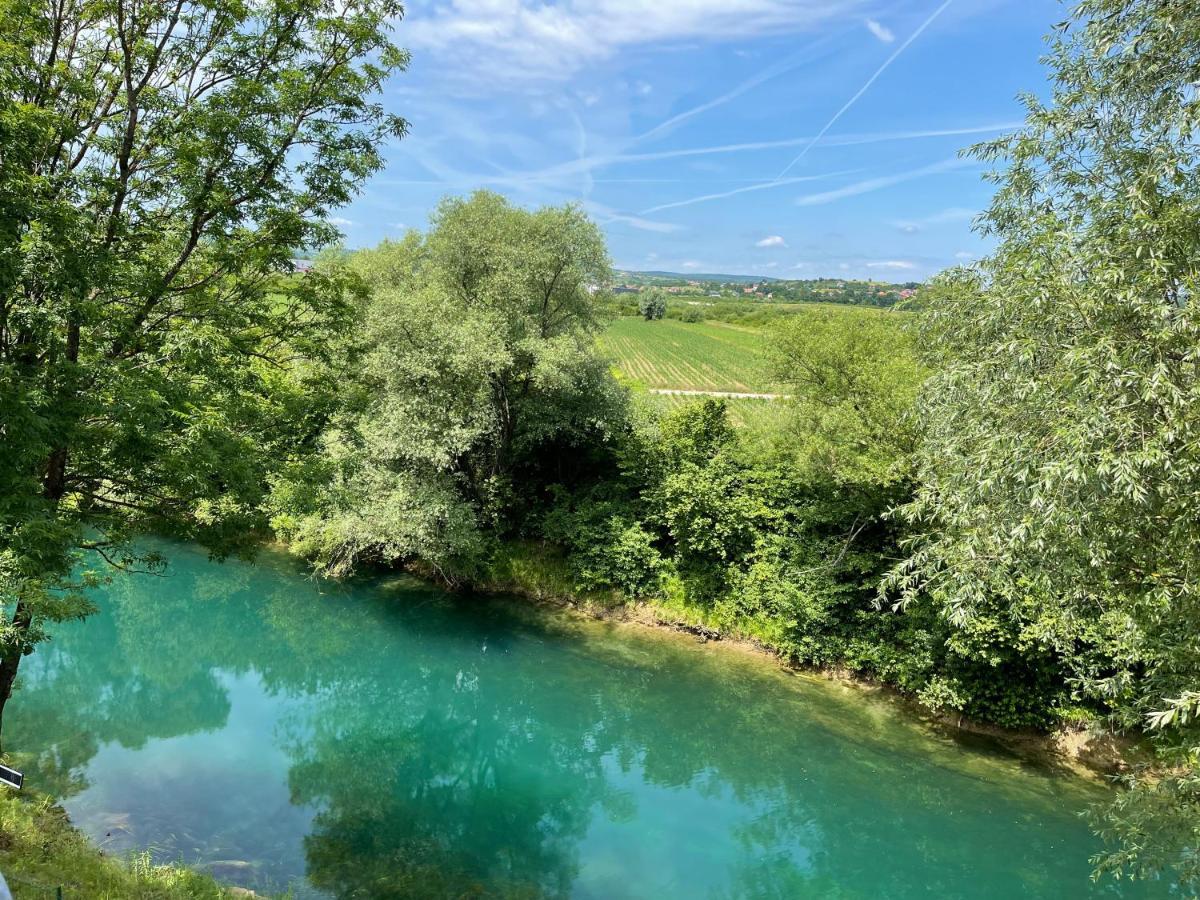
{"type": "Point", "coordinates": [160, 166]}
{"type": "Point", "coordinates": [479, 356]}
{"type": "Point", "coordinates": [1060, 463]}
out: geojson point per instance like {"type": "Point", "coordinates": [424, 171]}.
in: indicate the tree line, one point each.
{"type": "Point", "coordinates": [992, 508]}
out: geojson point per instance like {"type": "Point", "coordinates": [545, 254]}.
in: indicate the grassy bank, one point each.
{"type": "Point", "coordinates": [41, 852]}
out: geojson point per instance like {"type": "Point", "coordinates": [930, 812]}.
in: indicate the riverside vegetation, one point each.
{"type": "Point", "coordinates": [988, 504]}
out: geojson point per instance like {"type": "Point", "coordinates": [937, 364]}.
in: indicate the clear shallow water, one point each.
{"type": "Point", "coordinates": [382, 739]}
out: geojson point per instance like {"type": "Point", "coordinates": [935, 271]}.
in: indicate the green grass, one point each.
{"type": "Point", "coordinates": [40, 852]}
{"type": "Point", "coordinates": [703, 356]}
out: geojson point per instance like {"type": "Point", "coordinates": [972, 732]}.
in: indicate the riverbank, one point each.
{"type": "Point", "coordinates": [538, 573]}
{"type": "Point", "coordinates": [41, 852]}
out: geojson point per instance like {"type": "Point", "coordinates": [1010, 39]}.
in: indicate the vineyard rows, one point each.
{"type": "Point", "coordinates": [707, 356]}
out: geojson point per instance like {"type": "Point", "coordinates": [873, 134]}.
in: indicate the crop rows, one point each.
{"type": "Point", "coordinates": [708, 356]}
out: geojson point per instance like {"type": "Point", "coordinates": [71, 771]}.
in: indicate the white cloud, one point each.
{"type": "Point", "coordinates": [646, 224]}
{"type": "Point", "coordinates": [399, 226]}
{"type": "Point", "coordinates": [880, 31]}
{"type": "Point", "coordinates": [892, 264]}
{"type": "Point", "coordinates": [772, 241]}
{"type": "Point", "coordinates": [963, 254]}
{"type": "Point", "coordinates": [953, 214]}
{"type": "Point", "coordinates": [339, 221]}
{"type": "Point", "coordinates": [533, 39]}
{"type": "Point", "coordinates": [643, 88]}
{"type": "Point", "coordinates": [805, 54]}
{"type": "Point", "coordinates": [691, 264]}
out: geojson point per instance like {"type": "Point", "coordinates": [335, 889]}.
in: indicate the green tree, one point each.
{"type": "Point", "coordinates": [160, 165]}
{"type": "Point", "coordinates": [854, 377]}
{"type": "Point", "coordinates": [480, 363]}
{"type": "Point", "coordinates": [652, 304]}
{"type": "Point", "coordinates": [1060, 465]}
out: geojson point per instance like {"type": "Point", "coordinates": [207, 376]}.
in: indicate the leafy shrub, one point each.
{"type": "Point", "coordinates": [940, 693]}
{"type": "Point", "coordinates": [607, 546]}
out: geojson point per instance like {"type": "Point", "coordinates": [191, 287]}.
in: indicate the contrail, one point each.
{"type": "Point", "coordinates": [759, 186]}
{"type": "Point", "coordinates": [560, 170]}
{"type": "Point", "coordinates": [862, 90]}
{"type": "Point", "coordinates": [874, 184]}
{"type": "Point", "coordinates": [802, 55]}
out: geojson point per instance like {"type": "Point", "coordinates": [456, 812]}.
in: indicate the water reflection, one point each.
{"type": "Point", "coordinates": [385, 741]}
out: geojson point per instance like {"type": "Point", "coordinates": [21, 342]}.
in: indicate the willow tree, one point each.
{"type": "Point", "coordinates": [1060, 472]}
{"type": "Point", "coordinates": [480, 384]}
{"type": "Point", "coordinates": [160, 165]}
{"type": "Point", "coordinates": [652, 304]}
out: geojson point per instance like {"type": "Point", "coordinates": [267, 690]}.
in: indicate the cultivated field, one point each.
{"type": "Point", "coordinates": [702, 356]}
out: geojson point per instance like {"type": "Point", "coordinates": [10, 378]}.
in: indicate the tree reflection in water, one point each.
{"type": "Point", "coordinates": [388, 741]}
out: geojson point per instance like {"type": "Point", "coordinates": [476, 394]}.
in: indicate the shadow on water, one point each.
{"type": "Point", "coordinates": [385, 740]}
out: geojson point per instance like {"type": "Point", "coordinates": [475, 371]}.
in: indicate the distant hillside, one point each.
{"type": "Point", "coordinates": [655, 277]}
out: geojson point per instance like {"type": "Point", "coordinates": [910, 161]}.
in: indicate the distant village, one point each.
{"type": "Point", "coordinates": [872, 293]}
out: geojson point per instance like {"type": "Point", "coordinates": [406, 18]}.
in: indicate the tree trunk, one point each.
{"type": "Point", "coordinates": [54, 487]}
{"type": "Point", "coordinates": [10, 658]}
{"type": "Point", "coordinates": [55, 481]}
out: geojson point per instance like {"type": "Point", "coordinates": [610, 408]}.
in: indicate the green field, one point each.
{"type": "Point", "coordinates": [703, 356]}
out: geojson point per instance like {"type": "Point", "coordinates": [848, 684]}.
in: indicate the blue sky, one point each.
{"type": "Point", "coordinates": [790, 138]}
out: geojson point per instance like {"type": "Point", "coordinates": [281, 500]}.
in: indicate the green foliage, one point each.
{"type": "Point", "coordinates": [764, 541]}
{"type": "Point", "coordinates": [940, 694]}
{"type": "Point", "coordinates": [161, 166]}
{"type": "Point", "coordinates": [652, 304]}
{"type": "Point", "coordinates": [479, 366]}
{"type": "Point", "coordinates": [761, 418]}
{"type": "Point", "coordinates": [702, 497]}
{"type": "Point", "coordinates": [441, 400]}
{"type": "Point", "coordinates": [1153, 826]}
{"type": "Point", "coordinates": [1060, 466]}
{"type": "Point", "coordinates": [785, 596]}
{"type": "Point", "coordinates": [751, 290]}
{"type": "Point", "coordinates": [610, 548]}
{"type": "Point", "coordinates": [853, 376]}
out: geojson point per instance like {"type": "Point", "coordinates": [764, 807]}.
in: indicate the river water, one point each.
{"type": "Point", "coordinates": [383, 739]}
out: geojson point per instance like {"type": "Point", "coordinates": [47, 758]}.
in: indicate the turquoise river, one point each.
{"type": "Point", "coordinates": [383, 739]}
